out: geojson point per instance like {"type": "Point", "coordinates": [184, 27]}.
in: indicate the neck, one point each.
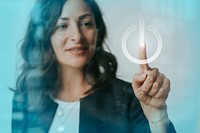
{"type": "Point", "coordinates": [72, 84]}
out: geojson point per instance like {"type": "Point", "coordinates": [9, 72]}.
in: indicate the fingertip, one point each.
{"type": "Point", "coordinates": [142, 52]}
{"type": "Point", "coordinates": [142, 55]}
{"type": "Point", "coordinates": [142, 44]}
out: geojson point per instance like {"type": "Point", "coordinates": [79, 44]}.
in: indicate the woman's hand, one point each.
{"type": "Point", "coordinates": [151, 88]}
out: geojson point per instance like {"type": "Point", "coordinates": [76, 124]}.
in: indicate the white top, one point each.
{"type": "Point", "coordinates": [66, 119]}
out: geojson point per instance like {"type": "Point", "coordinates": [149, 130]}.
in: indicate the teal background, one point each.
{"type": "Point", "coordinates": [178, 22]}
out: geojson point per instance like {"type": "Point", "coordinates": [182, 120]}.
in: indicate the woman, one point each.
{"type": "Point", "coordinates": [68, 82]}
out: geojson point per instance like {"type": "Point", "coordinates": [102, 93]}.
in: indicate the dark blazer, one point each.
{"type": "Point", "coordinates": [111, 110]}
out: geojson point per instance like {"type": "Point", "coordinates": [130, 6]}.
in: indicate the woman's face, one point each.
{"type": "Point", "coordinates": [74, 39]}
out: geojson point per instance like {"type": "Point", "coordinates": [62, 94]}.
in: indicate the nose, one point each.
{"type": "Point", "coordinates": [76, 35]}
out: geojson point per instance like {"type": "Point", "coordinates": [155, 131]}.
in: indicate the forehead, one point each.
{"type": "Point", "coordinates": [75, 8]}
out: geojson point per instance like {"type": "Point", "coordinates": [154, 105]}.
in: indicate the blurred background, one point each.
{"type": "Point", "coordinates": [178, 22]}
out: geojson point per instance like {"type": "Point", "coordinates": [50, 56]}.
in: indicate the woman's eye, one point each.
{"type": "Point", "coordinates": [62, 27]}
{"type": "Point", "coordinates": [86, 24]}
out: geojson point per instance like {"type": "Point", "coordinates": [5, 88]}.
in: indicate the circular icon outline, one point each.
{"type": "Point", "coordinates": [139, 61]}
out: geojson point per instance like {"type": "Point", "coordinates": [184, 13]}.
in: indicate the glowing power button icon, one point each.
{"type": "Point", "coordinates": [141, 37]}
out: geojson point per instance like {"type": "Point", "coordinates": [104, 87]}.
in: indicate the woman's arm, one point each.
{"type": "Point", "coordinates": [152, 88]}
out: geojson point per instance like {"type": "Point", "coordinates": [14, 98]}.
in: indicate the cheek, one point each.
{"type": "Point", "coordinates": [57, 43]}
{"type": "Point", "coordinates": [57, 40]}
{"type": "Point", "coordinates": [93, 38]}
{"type": "Point", "coordinates": [93, 42]}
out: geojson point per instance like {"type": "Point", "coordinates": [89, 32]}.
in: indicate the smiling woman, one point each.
{"type": "Point", "coordinates": [68, 81]}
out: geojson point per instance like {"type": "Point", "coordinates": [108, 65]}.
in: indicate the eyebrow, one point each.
{"type": "Point", "coordinates": [80, 18]}
{"type": "Point", "coordinates": [85, 15]}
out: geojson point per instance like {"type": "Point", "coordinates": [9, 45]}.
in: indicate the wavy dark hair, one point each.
{"type": "Point", "coordinates": [40, 76]}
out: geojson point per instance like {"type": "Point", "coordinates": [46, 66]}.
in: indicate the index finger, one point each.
{"type": "Point", "coordinates": [143, 56]}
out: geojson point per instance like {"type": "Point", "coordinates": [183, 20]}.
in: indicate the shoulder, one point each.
{"type": "Point", "coordinates": [39, 118]}
{"type": "Point", "coordinates": [123, 91]}
{"type": "Point", "coordinates": [27, 101]}
{"type": "Point", "coordinates": [122, 87]}
{"type": "Point", "coordinates": [19, 107]}
{"type": "Point", "coordinates": [130, 104]}
{"type": "Point", "coordinates": [118, 92]}
{"type": "Point", "coordinates": [120, 82]}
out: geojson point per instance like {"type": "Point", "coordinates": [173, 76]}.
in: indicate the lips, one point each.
{"type": "Point", "coordinates": [79, 49]}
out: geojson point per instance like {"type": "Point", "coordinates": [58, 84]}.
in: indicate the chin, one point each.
{"type": "Point", "coordinates": [76, 64]}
